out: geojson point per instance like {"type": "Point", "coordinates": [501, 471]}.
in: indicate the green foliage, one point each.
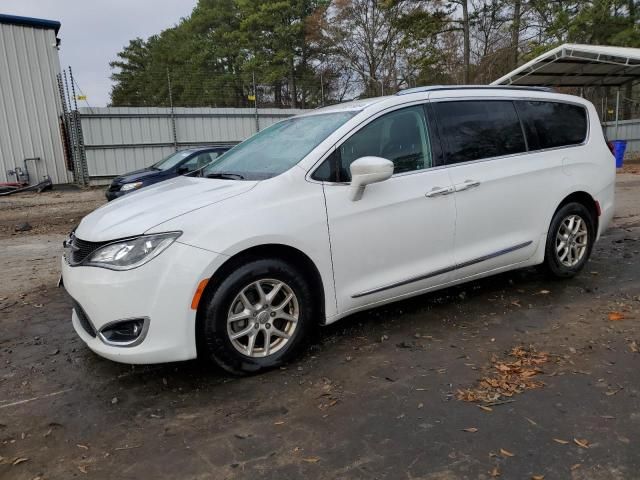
{"type": "Point", "coordinates": [211, 57]}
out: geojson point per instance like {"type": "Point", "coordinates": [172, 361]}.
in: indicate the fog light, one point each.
{"type": "Point", "coordinates": [125, 333]}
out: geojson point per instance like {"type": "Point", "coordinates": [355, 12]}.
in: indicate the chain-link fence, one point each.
{"type": "Point", "coordinates": [180, 88]}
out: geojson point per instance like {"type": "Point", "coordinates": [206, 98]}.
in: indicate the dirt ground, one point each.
{"type": "Point", "coordinates": [30, 259]}
{"type": "Point", "coordinates": [376, 396]}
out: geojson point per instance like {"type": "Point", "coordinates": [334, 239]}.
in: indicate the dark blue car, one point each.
{"type": "Point", "coordinates": [176, 164]}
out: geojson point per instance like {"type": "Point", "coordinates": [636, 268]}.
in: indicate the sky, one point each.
{"type": "Point", "coordinates": [93, 32]}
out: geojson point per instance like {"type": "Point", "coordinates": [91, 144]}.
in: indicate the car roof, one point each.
{"type": "Point", "coordinates": [438, 91]}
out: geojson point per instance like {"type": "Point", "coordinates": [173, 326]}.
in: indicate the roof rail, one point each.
{"type": "Point", "coordinates": [435, 88]}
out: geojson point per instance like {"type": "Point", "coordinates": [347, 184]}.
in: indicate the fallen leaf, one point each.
{"type": "Point", "coordinates": [544, 292]}
{"type": "Point", "coordinates": [530, 421]}
{"type": "Point", "coordinates": [581, 442]}
{"type": "Point", "coordinates": [280, 422]}
{"type": "Point", "coordinates": [576, 466]}
{"type": "Point", "coordinates": [470, 429]}
{"type": "Point", "coordinates": [633, 346]}
{"type": "Point", "coordinates": [560, 441]}
{"type": "Point", "coordinates": [537, 477]}
{"type": "Point", "coordinates": [19, 460]}
{"type": "Point", "coordinates": [82, 468]}
{"type": "Point", "coordinates": [615, 316]}
{"type": "Point", "coordinates": [506, 453]}
{"type": "Point", "coordinates": [486, 409]}
{"type": "Point", "coordinates": [495, 472]}
{"type": "Point", "coordinates": [79, 445]}
{"type": "Point", "coordinates": [311, 459]}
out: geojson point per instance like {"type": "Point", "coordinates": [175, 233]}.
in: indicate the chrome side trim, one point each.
{"type": "Point", "coordinates": [442, 271]}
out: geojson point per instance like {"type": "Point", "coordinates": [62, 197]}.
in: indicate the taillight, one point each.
{"type": "Point", "coordinates": [610, 145]}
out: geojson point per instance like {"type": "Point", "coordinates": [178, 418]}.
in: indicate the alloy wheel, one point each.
{"type": "Point", "coordinates": [572, 240]}
{"type": "Point", "coordinates": [262, 317]}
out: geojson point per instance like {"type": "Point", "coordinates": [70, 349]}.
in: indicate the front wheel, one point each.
{"type": "Point", "coordinates": [569, 241]}
{"type": "Point", "coordinates": [258, 318]}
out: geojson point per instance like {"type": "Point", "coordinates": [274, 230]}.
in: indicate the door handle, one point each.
{"type": "Point", "coordinates": [439, 191]}
{"type": "Point", "coordinates": [466, 185]}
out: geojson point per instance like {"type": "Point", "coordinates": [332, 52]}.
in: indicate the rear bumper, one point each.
{"type": "Point", "coordinates": [606, 199]}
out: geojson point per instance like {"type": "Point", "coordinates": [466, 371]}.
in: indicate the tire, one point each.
{"type": "Point", "coordinates": [562, 261]}
{"type": "Point", "coordinates": [256, 318]}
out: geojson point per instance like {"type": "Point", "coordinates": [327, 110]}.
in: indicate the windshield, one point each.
{"type": "Point", "coordinates": [277, 148]}
{"type": "Point", "coordinates": [171, 161]}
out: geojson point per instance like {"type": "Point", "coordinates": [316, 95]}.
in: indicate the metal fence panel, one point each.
{"type": "Point", "coordinates": [628, 130]}
{"type": "Point", "coordinates": [122, 139]}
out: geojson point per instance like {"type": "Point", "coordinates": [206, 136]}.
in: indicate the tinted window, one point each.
{"type": "Point", "coordinates": [552, 124]}
{"type": "Point", "coordinates": [473, 130]}
{"type": "Point", "coordinates": [400, 136]}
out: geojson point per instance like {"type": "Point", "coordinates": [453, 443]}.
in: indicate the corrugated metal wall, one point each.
{"type": "Point", "coordinates": [30, 105]}
{"type": "Point", "coordinates": [122, 139]}
{"type": "Point", "coordinates": [628, 130]}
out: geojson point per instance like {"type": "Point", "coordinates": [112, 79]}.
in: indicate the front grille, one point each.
{"type": "Point", "coordinates": [83, 318]}
{"type": "Point", "coordinates": [81, 249]}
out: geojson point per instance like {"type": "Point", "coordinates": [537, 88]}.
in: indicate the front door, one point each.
{"type": "Point", "coordinates": [398, 238]}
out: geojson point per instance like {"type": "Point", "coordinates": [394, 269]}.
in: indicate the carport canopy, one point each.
{"type": "Point", "coordinates": [575, 65]}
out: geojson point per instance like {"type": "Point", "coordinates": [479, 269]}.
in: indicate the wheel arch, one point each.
{"type": "Point", "coordinates": [283, 252]}
{"type": "Point", "coordinates": [586, 199]}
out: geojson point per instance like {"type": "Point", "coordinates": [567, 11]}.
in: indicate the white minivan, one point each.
{"type": "Point", "coordinates": [336, 211]}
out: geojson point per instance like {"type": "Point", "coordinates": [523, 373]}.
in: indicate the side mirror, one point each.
{"type": "Point", "coordinates": [366, 170]}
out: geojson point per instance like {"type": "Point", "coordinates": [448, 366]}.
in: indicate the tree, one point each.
{"type": "Point", "coordinates": [306, 53]}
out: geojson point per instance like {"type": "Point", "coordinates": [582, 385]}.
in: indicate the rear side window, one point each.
{"type": "Point", "coordinates": [553, 124]}
{"type": "Point", "coordinates": [473, 130]}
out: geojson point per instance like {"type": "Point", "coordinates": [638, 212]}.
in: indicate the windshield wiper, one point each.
{"type": "Point", "coordinates": [225, 175]}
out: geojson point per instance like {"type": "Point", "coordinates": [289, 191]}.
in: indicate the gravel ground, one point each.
{"type": "Point", "coordinates": [376, 396]}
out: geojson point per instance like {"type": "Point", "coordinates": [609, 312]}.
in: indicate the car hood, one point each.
{"type": "Point", "coordinates": [136, 176]}
{"type": "Point", "coordinates": [137, 212]}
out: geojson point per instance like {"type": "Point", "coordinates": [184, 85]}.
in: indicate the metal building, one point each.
{"type": "Point", "coordinates": [30, 104]}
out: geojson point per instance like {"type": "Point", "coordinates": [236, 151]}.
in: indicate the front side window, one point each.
{"type": "Point", "coordinates": [400, 136]}
{"type": "Point", "coordinates": [553, 124]}
{"type": "Point", "coordinates": [476, 129]}
{"type": "Point", "coordinates": [277, 148]}
{"type": "Point", "coordinates": [199, 161]}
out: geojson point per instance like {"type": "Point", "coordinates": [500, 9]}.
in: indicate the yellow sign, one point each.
{"type": "Point", "coordinates": [252, 98]}
{"type": "Point", "coordinates": [81, 97]}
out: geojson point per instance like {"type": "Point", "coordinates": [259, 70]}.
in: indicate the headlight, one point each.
{"type": "Point", "coordinates": [132, 252]}
{"type": "Point", "coordinates": [130, 186]}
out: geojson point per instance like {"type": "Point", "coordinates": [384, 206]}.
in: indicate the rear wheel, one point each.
{"type": "Point", "coordinates": [569, 241]}
{"type": "Point", "coordinates": [258, 318]}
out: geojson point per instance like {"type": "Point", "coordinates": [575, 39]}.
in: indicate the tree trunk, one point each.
{"type": "Point", "coordinates": [467, 46]}
{"type": "Point", "coordinates": [515, 32]}
{"type": "Point", "coordinates": [277, 94]}
{"type": "Point", "coordinates": [292, 84]}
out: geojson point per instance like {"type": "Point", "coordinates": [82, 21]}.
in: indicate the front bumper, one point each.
{"type": "Point", "coordinates": [161, 290]}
